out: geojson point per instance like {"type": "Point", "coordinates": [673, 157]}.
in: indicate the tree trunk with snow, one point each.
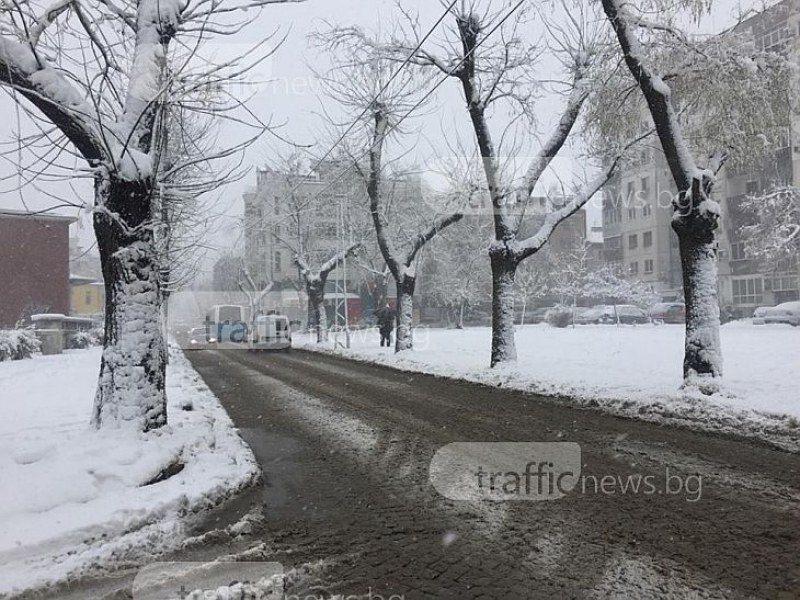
{"type": "Point", "coordinates": [131, 385]}
{"type": "Point", "coordinates": [315, 288]}
{"type": "Point", "coordinates": [696, 216]}
{"type": "Point", "coordinates": [504, 270]}
{"type": "Point", "coordinates": [404, 338]}
{"type": "Point", "coordinates": [698, 250]}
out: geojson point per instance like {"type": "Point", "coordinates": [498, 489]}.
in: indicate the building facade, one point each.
{"type": "Point", "coordinates": [318, 214]}
{"type": "Point", "coordinates": [34, 265]}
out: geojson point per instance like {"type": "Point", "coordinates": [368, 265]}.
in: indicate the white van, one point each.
{"type": "Point", "coordinates": [273, 332]}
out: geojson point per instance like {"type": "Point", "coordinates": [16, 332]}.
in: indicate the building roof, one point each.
{"type": "Point", "coordinates": [7, 213]}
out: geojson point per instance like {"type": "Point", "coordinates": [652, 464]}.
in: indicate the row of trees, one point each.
{"type": "Point", "coordinates": [124, 86]}
{"type": "Point", "coordinates": [707, 100]}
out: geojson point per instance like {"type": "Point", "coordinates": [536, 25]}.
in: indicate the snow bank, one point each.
{"type": "Point", "coordinates": [75, 499]}
{"type": "Point", "coordinates": [630, 370]}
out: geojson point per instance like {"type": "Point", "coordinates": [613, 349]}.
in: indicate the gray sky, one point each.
{"type": "Point", "coordinates": [291, 97]}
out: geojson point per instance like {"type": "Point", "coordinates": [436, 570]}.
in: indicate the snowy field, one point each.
{"type": "Point", "coordinates": [630, 370]}
{"type": "Point", "coordinates": [73, 498]}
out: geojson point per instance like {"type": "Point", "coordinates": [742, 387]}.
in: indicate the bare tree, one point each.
{"type": "Point", "coordinates": [255, 297]}
{"type": "Point", "coordinates": [491, 71]}
{"type": "Point", "coordinates": [315, 280]}
{"type": "Point", "coordinates": [724, 96]}
{"type": "Point", "coordinates": [774, 233]}
{"type": "Point", "coordinates": [98, 76]}
{"type": "Point", "coordinates": [368, 84]}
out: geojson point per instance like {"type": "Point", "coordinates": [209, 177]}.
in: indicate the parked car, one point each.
{"type": "Point", "coordinates": [668, 312]}
{"type": "Point", "coordinates": [759, 313]}
{"type": "Point", "coordinates": [626, 314]}
{"type": "Point", "coordinates": [595, 315]}
{"type": "Point", "coordinates": [788, 312]}
{"type": "Point", "coordinates": [198, 339]}
{"type": "Point", "coordinates": [272, 332]}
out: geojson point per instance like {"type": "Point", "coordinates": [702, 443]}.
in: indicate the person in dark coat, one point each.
{"type": "Point", "coordinates": [385, 318]}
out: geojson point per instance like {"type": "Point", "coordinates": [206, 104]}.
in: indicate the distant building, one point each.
{"type": "Point", "coordinates": [87, 296]}
{"type": "Point", "coordinates": [638, 240]}
{"type": "Point", "coordinates": [34, 265]}
{"type": "Point", "coordinates": [332, 206]}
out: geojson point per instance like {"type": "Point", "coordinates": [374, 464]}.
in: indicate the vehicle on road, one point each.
{"type": "Point", "coordinates": [227, 323]}
{"type": "Point", "coordinates": [198, 339]}
{"type": "Point", "coordinates": [272, 332]}
{"type": "Point", "coordinates": [788, 312]}
{"type": "Point", "coordinates": [668, 312]}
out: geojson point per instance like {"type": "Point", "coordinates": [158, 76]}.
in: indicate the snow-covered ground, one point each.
{"type": "Point", "coordinates": [73, 498]}
{"type": "Point", "coordinates": [630, 370]}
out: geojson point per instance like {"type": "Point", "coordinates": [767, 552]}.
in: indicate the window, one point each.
{"type": "Point", "coordinates": [648, 265]}
{"type": "Point", "coordinates": [748, 291]}
{"type": "Point", "coordinates": [276, 260]}
{"type": "Point", "coordinates": [647, 210]}
{"type": "Point", "coordinates": [632, 213]}
{"type": "Point", "coordinates": [645, 185]}
{"type": "Point", "coordinates": [782, 138]}
{"type": "Point", "coordinates": [751, 188]}
{"type": "Point", "coordinates": [631, 192]}
{"type": "Point", "coordinates": [633, 242]}
{"type": "Point", "coordinates": [776, 40]}
{"type": "Point", "coordinates": [647, 239]}
{"type": "Point", "coordinates": [738, 251]}
{"type": "Point", "coordinates": [633, 269]}
{"type": "Point", "coordinates": [782, 283]}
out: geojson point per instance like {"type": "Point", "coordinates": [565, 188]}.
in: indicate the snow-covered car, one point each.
{"type": "Point", "coordinates": [198, 339]}
{"type": "Point", "coordinates": [626, 314]}
{"type": "Point", "coordinates": [668, 312]}
{"type": "Point", "coordinates": [272, 332]}
{"type": "Point", "coordinates": [596, 315]}
{"type": "Point", "coordinates": [759, 313]}
{"type": "Point", "coordinates": [788, 312]}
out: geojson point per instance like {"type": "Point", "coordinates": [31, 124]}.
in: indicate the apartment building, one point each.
{"type": "Point", "coordinates": [637, 234]}
{"type": "Point", "coordinates": [744, 282]}
{"type": "Point", "coordinates": [321, 212]}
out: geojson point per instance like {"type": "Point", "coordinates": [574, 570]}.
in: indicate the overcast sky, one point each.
{"type": "Point", "coordinates": [291, 97]}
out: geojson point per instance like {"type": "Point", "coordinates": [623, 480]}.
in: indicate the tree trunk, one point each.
{"type": "Point", "coordinates": [131, 385]}
{"type": "Point", "coordinates": [504, 270]}
{"type": "Point", "coordinates": [460, 315]}
{"type": "Point", "coordinates": [404, 339]}
{"type": "Point", "coordinates": [702, 362]}
{"type": "Point", "coordinates": [315, 287]}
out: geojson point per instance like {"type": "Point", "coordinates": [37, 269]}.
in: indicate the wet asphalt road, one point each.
{"type": "Point", "coordinates": [348, 507]}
